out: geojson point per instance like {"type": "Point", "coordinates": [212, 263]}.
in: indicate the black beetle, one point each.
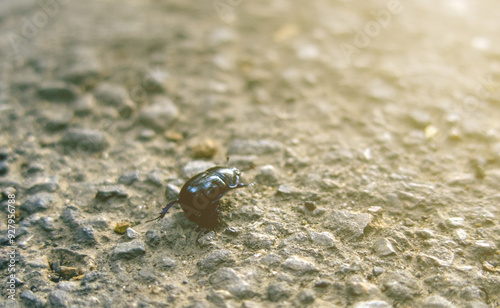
{"type": "Point", "coordinates": [199, 197]}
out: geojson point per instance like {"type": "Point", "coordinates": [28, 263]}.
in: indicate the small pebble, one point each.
{"type": "Point", "coordinates": [372, 304]}
{"type": "Point", "coordinates": [59, 298]}
{"type": "Point", "coordinates": [377, 271]}
{"type": "Point", "coordinates": [323, 239]}
{"type": "Point", "coordinates": [131, 234]}
{"type": "Point", "coordinates": [57, 122]}
{"type": "Point", "coordinates": [482, 215]}
{"type": "Point", "coordinates": [383, 247]}
{"type": "Point", "coordinates": [400, 286]}
{"type": "Point", "coordinates": [58, 92]}
{"type": "Point", "coordinates": [147, 134]}
{"type": "Point", "coordinates": [37, 203]}
{"type": "Point", "coordinates": [40, 262]}
{"type": "Point", "coordinates": [84, 105]}
{"type": "Point", "coordinates": [147, 274]}
{"type": "Point", "coordinates": [299, 266]}
{"type": "Point", "coordinates": [476, 304]}
{"type": "Point", "coordinates": [490, 267]}
{"type": "Point", "coordinates": [454, 222]}
{"type": "Point", "coordinates": [348, 224]}
{"type": "Point", "coordinates": [81, 66]}
{"type": "Point", "coordinates": [424, 233]}
{"type": "Point", "coordinates": [49, 185]}
{"type": "Point", "coordinates": [129, 250]}
{"type": "Point", "coordinates": [70, 216]}
{"type": "Point", "coordinates": [322, 284]}
{"type": "Point", "coordinates": [267, 175]}
{"type": "Point", "coordinates": [85, 140]}
{"type": "Point", "coordinates": [483, 247]}
{"type": "Point", "coordinates": [219, 297]}
{"type": "Point", "coordinates": [436, 301]}
{"type": "Point", "coordinates": [4, 154]}
{"type": "Point", "coordinates": [278, 291]}
{"type": "Point", "coordinates": [271, 260]}
{"type": "Point", "coordinates": [68, 272]}
{"type": "Point", "coordinates": [129, 178]}
{"type": "Point", "coordinates": [7, 191]}
{"type": "Point", "coordinates": [32, 300]}
{"type": "Point", "coordinates": [375, 209]}
{"type": "Point", "coordinates": [207, 239]}
{"type": "Point", "coordinates": [155, 177]}
{"type": "Point", "coordinates": [419, 118]}
{"type": "Point", "coordinates": [436, 256]}
{"type": "Point", "coordinates": [232, 231]}
{"type": "Point", "coordinates": [288, 191]}
{"type": "Point", "coordinates": [4, 168]}
{"type": "Point", "coordinates": [471, 292]}
{"type": "Point", "coordinates": [251, 304]}
{"type": "Point", "coordinates": [173, 135]}
{"type": "Point", "coordinates": [171, 192]}
{"type": "Point", "coordinates": [258, 241]}
{"type": "Point", "coordinates": [46, 223]}
{"type": "Point", "coordinates": [204, 150]}
{"type": "Point", "coordinates": [86, 236]}
{"type": "Point", "coordinates": [310, 205]}
{"type": "Point", "coordinates": [115, 96]}
{"type": "Point", "coordinates": [460, 179]}
{"type": "Point", "coordinates": [160, 115]}
{"type": "Point", "coordinates": [108, 192]}
{"type": "Point", "coordinates": [408, 222]}
{"type": "Point", "coordinates": [152, 238]}
{"type": "Point", "coordinates": [215, 259]}
{"type": "Point", "coordinates": [91, 277]}
{"type": "Point", "coordinates": [306, 296]}
{"type": "Point", "coordinates": [168, 263]}
{"type": "Point", "coordinates": [358, 286]}
{"type": "Point", "coordinates": [98, 222]}
{"type": "Point", "coordinates": [34, 167]}
{"type": "Point", "coordinates": [122, 227]}
{"type": "Point", "coordinates": [228, 279]}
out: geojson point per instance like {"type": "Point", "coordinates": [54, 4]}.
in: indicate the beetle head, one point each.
{"type": "Point", "coordinates": [230, 175]}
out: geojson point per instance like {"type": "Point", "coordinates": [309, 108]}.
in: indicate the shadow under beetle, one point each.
{"type": "Point", "coordinates": [199, 197]}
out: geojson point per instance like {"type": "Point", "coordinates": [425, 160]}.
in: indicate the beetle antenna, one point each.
{"type": "Point", "coordinates": [164, 211]}
{"type": "Point", "coordinates": [251, 167]}
{"type": "Point", "coordinates": [227, 161]}
{"type": "Point", "coordinates": [150, 220]}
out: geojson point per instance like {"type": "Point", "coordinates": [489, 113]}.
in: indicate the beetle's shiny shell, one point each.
{"type": "Point", "coordinates": [199, 197]}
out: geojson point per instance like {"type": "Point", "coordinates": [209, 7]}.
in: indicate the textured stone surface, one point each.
{"type": "Point", "coordinates": [348, 224]}
{"type": "Point", "coordinates": [37, 203]}
{"type": "Point", "coordinates": [228, 279]}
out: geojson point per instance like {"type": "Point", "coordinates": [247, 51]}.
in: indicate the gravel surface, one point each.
{"type": "Point", "coordinates": [370, 130]}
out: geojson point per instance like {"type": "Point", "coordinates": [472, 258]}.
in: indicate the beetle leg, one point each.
{"type": "Point", "coordinates": [216, 201]}
{"type": "Point", "coordinates": [217, 207]}
{"type": "Point", "coordinates": [189, 211]}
